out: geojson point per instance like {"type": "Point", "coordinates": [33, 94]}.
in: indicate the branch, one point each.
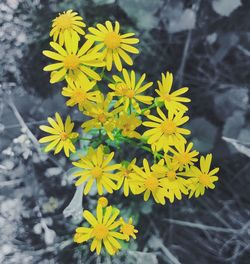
{"type": "Point", "coordinates": [203, 227]}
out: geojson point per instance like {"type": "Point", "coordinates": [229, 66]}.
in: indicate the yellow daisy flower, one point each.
{"type": "Point", "coordinates": [61, 135]}
{"type": "Point", "coordinates": [184, 155]}
{"type": "Point", "coordinates": [79, 93]}
{"type": "Point", "coordinates": [149, 183]}
{"type": "Point", "coordinates": [67, 23]}
{"type": "Point", "coordinates": [114, 45]}
{"type": "Point", "coordinates": [165, 131]}
{"type": "Point", "coordinates": [101, 231]}
{"type": "Point", "coordinates": [124, 178]}
{"type": "Point", "coordinates": [172, 180]}
{"type": "Point", "coordinates": [96, 169]}
{"type": "Point", "coordinates": [173, 101]}
{"type": "Point", "coordinates": [129, 91]}
{"type": "Point", "coordinates": [201, 178]}
{"type": "Point", "coordinates": [102, 115]}
{"type": "Point", "coordinates": [127, 229]}
{"type": "Point", "coordinates": [128, 124]}
{"type": "Point", "coordinates": [73, 62]}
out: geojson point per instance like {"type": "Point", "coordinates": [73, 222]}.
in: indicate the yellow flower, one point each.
{"type": "Point", "coordinates": [149, 183]}
{"type": "Point", "coordinates": [79, 93]}
{"type": "Point", "coordinates": [124, 178]}
{"type": "Point", "coordinates": [201, 178]}
{"type": "Point", "coordinates": [165, 131]}
{"type": "Point", "coordinates": [102, 115]}
{"type": "Point", "coordinates": [173, 101]}
{"type": "Point", "coordinates": [72, 61]}
{"type": "Point", "coordinates": [183, 154]}
{"type": "Point", "coordinates": [127, 124]}
{"type": "Point", "coordinates": [102, 230]}
{"type": "Point", "coordinates": [130, 91]}
{"type": "Point", "coordinates": [96, 168]}
{"type": "Point", "coordinates": [61, 135]}
{"type": "Point", "coordinates": [127, 229]}
{"type": "Point", "coordinates": [103, 201]}
{"type": "Point", "coordinates": [67, 22]}
{"type": "Point", "coordinates": [114, 45]}
{"type": "Point", "coordinates": [172, 180]}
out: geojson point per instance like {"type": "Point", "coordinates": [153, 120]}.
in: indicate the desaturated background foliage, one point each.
{"type": "Point", "coordinates": [206, 44]}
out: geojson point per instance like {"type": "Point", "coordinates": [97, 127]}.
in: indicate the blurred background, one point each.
{"type": "Point", "coordinates": [206, 44]}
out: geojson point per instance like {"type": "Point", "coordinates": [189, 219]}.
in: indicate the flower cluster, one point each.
{"type": "Point", "coordinates": [105, 229]}
{"type": "Point", "coordinates": [130, 110]}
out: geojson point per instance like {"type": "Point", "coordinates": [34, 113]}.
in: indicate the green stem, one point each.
{"type": "Point", "coordinates": [148, 108]}
{"type": "Point", "coordinates": [142, 146]}
{"type": "Point", "coordinates": [130, 107]}
{"type": "Point", "coordinates": [82, 138]}
{"type": "Point", "coordinates": [107, 78]}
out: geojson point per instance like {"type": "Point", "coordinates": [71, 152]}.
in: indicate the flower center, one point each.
{"type": "Point", "coordinates": [71, 62]}
{"type": "Point", "coordinates": [168, 127]}
{"type": "Point", "coordinates": [151, 183]}
{"type": "Point", "coordinates": [79, 97]}
{"type": "Point", "coordinates": [100, 231]}
{"type": "Point", "coordinates": [183, 158]}
{"type": "Point", "coordinates": [204, 179]}
{"type": "Point", "coordinates": [127, 172]}
{"type": "Point", "coordinates": [130, 93]}
{"type": "Point", "coordinates": [64, 21]}
{"type": "Point", "coordinates": [126, 127]}
{"type": "Point", "coordinates": [96, 172]}
{"type": "Point", "coordinates": [112, 40]}
{"type": "Point", "coordinates": [167, 97]}
{"type": "Point", "coordinates": [63, 136]}
{"type": "Point", "coordinates": [102, 118]}
{"type": "Point", "coordinates": [171, 175]}
{"type": "Point", "coordinates": [127, 229]}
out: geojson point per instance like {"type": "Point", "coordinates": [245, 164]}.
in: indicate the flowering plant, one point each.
{"type": "Point", "coordinates": [129, 110]}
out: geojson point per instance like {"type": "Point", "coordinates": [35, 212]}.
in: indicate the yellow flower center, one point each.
{"type": "Point", "coordinates": [168, 127]}
{"type": "Point", "coordinates": [151, 183]}
{"type": "Point", "coordinates": [183, 158]}
{"type": "Point", "coordinates": [171, 175]}
{"type": "Point", "coordinates": [112, 40]}
{"type": "Point", "coordinates": [79, 97]}
{"type": "Point", "coordinates": [96, 172]}
{"type": "Point", "coordinates": [102, 118]}
{"type": "Point", "coordinates": [127, 229]}
{"type": "Point", "coordinates": [130, 93]}
{"type": "Point", "coordinates": [64, 21]}
{"type": "Point", "coordinates": [103, 201]}
{"type": "Point", "coordinates": [167, 97]}
{"type": "Point", "coordinates": [100, 231]}
{"type": "Point", "coordinates": [127, 172]}
{"type": "Point", "coordinates": [63, 136]}
{"type": "Point", "coordinates": [204, 179]}
{"type": "Point", "coordinates": [71, 62]}
{"type": "Point", "coordinates": [126, 127]}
